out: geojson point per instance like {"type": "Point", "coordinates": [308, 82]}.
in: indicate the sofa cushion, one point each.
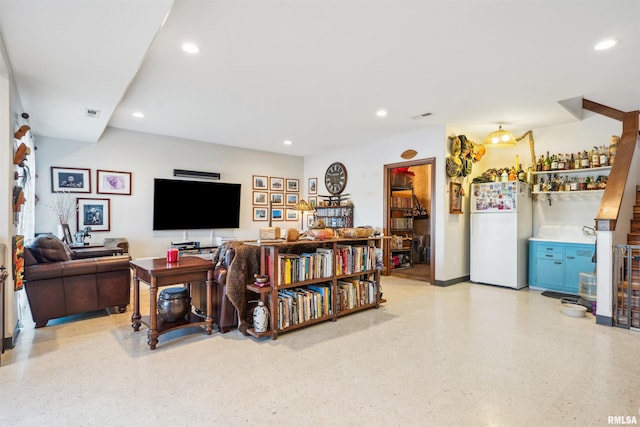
{"type": "Point", "coordinates": [49, 248]}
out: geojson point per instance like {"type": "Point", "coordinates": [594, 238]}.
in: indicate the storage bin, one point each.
{"type": "Point", "coordinates": [401, 177]}
{"type": "Point", "coordinates": [587, 286]}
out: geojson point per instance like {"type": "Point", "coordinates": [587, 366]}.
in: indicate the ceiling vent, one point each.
{"type": "Point", "coordinates": [421, 116]}
{"type": "Point", "coordinates": [93, 113]}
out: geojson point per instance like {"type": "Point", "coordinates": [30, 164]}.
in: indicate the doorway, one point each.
{"type": "Point", "coordinates": [415, 259]}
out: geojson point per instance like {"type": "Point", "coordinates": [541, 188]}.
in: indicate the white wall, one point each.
{"type": "Point", "coordinates": [152, 156]}
{"type": "Point", "coordinates": [365, 166]}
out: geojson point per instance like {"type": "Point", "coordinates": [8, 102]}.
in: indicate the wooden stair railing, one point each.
{"type": "Point", "coordinates": [612, 198]}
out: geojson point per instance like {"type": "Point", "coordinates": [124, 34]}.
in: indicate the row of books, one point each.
{"type": "Point", "coordinates": [401, 223]}
{"type": "Point", "coordinates": [298, 305]}
{"type": "Point", "coordinates": [355, 259]}
{"type": "Point", "coordinates": [354, 293]}
{"type": "Point", "coordinates": [306, 266]}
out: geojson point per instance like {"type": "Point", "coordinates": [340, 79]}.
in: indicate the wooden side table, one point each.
{"type": "Point", "coordinates": [157, 272]}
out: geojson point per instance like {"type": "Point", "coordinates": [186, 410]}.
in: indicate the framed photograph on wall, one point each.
{"type": "Point", "coordinates": [276, 184]}
{"type": "Point", "coordinates": [277, 199]}
{"type": "Point", "coordinates": [277, 214]}
{"type": "Point", "coordinates": [291, 199]}
{"type": "Point", "coordinates": [293, 185]}
{"type": "Point", "coordinates": [94, 213]}
{"type": "Point", "coordinates": [313, 185]}
{"type": "Point", "coordinates": [291, 215]}
{"type": "Point", "coordinates": [455, 198]}
{"type": "Point", "coordinates": [260, 214]}
{"type": "Point", "coordinates": [260, 198]}
{"type": "Point", "coordinates": [313, 201]}
{"type": "Point", "coordinates": [260, 182]}
{"type": "Point", "coordinates": [113, 182]}
{"type": "Point", "coordinates": [70, 180]}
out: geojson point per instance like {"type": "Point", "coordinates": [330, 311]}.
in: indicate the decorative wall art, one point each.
{"type": "Point", "coordinates": [293, 185]}
{"type": "Point", "coordinates": [260, 198]}
{"type": "Point", "coordinates": [277, 199]}
{"type": "Point", "coordinates": [260, 182]}
{"type": "Point", "coordinates": [291, 215]}
{"type": "Point", "coordinates": [277, 214]}
{"type": "Point", "coordinates": [276, 184]}
{"type": "Point", "coordinates": [113, 182]}
{"type": "Point", "coordinates": [455, 198]}
{"type": "Point", "coordinates": [291, 199]}
{"type": "Point", "coordinates": [94, 213]}
{"type": "Point", "coordinates": [313, 201]}
{"type": "Point", "coordinates": [313, 185]}
{"type": "Point", "coordinates": [260, 214]}
{"type": "Point", "coordinates": [71, 180]}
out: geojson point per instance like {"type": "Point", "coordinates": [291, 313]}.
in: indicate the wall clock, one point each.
{"type": "Point", "coordinates": [335, 179]}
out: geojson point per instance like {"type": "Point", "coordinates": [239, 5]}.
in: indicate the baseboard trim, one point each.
{"type": "Point", "coordinates": [450, 282]}
{"type": "Point", "coordinates": [604, 320]}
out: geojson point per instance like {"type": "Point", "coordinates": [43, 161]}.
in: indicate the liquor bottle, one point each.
{"type": "Point", "coordinates": [604, 161]}
{"type": "Point", "coordinates": [512, 174]}
{"type": "Point", "coordinates": [577, 161]}
{"type": "Point", "coordinates": [595, 158]}
{"type": "Point", "coordinates": [561, 164]}
{"type": "Point", "coordinates": [540, 163]}
{"type": "Point", "coordinates": [521, 175]}
{"type": "Point", "coordinates": [569, 161]}
{"type": "Point", "coordinates": [585, 160]}
{"type": "Point", "coordinates": [554, 163]}
{"type": "Point", "coordinates": [547, 163]}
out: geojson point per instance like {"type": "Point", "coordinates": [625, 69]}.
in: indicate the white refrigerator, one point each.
{"type": "Point", "coordinates": [501, 225]}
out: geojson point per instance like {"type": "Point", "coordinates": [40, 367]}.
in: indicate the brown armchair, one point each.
{"type": "Point", "coordinates": [57, 285]}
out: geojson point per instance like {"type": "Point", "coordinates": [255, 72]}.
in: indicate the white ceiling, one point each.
{"type": "Point", "coordinates": [314, 71]}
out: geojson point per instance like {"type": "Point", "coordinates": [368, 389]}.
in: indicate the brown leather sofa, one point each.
{"type": "Point", "coordinates": [58, 285]}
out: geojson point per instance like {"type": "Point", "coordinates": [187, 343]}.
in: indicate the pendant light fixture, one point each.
{"type": "Point", "coordinates": [500, 138]}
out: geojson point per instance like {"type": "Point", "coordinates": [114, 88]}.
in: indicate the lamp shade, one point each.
{"type": "Point", "coordinates": [500, 138]}
{"type": "Point", "coordinates": [302, 205]}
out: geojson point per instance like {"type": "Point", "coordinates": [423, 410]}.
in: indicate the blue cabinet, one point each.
{"type": "Point", "coordinates": [555, 266]}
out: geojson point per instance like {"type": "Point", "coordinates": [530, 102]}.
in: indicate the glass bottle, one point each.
{"type": "Point", "coordinates": [585, 160]}
{"type": "Point", "coordinates": [554, 163]}
{"type": "Point", "coordinates": [547, 163]}
{"type": "Point", "coordinates": [595, 158]}
{"type": "Point", "coordinates": [603, 157]}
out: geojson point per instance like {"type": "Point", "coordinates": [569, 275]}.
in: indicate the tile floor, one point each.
{"type": "Point", "coordinates": [464, 355]}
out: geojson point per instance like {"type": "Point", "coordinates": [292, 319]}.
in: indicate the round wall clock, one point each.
{"type": "Point", "coordinates": [335, 179]}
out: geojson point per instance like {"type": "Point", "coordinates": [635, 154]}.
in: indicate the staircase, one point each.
{"type": "Point", "coordinates": [627, 311]}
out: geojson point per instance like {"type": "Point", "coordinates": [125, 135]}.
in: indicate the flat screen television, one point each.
{"type": "Point", "coordinates": [195, 205]}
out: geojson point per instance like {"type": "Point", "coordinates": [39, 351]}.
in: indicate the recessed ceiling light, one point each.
{"type": "Point", "coordinates": [138, 114]}
{"type": "Point", "coordinates": [287, 142]}
{"type": "Point", "coordinates": [605, 44]}
{"type": "Point", "coordinates": [381, 113]}
{"type": "Point", "coordinates": [190, 48]}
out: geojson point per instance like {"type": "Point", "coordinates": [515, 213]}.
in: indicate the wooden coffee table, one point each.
{"type": "Point", "coordinates": [157, 272]}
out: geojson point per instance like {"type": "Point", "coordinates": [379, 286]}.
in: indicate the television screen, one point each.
{"type": "Point", "coordinates": [193, 205]}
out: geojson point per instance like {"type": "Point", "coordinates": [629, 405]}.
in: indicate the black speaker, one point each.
{"type": "Point", "coordinates": [196, 174]}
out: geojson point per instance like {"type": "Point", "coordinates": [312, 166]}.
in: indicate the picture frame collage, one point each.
{"type": "Point", "coordinates": [91, 212]}
{"type": "Point", "coordinates": [275, 198]}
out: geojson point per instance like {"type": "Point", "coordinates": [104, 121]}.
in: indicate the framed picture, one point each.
{"type": "Point", "coordinates": [260, 198]}
{"type": "Point", "coordinates": [277, 214]}
{"type": "Point", "coordinates": [310, 219]}
{"type": "Point", "coordinates": [313, 201]}
{"type": "Point", "coordinates": [277, 199]}
{"type": "Point", "coordinates": [291, 199]}
{"type": "Point", "coordinates": [71, 180]}
{"type": "Point", "coordinates": [276, 184]}
{"type": "Point", "coordinates": [313, 185]}
{"type": "Point", "coordinates": [291, 215]}
{"type": "Point", "coordinates": [113, 182]}
{"type": "Point", "coordinates": [260, 182]}
{"type": "Point", "coordinates": [260, 214]}
{"type": "Point", "coordinates": [293, 185]}
{"type": "Point", "coordinates": [455, 198]}
{"type": "Point", "coordinates": [67, 237]}
{"type": "Point", "coordinates": [93, 213]}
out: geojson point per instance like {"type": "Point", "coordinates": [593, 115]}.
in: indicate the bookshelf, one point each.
{"type": "Point", "coordinates": [335, 216]}
{"type": "Point", "coordinates": [401, 227]}
{"type": "Point", "coordinates": [315, 281]}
